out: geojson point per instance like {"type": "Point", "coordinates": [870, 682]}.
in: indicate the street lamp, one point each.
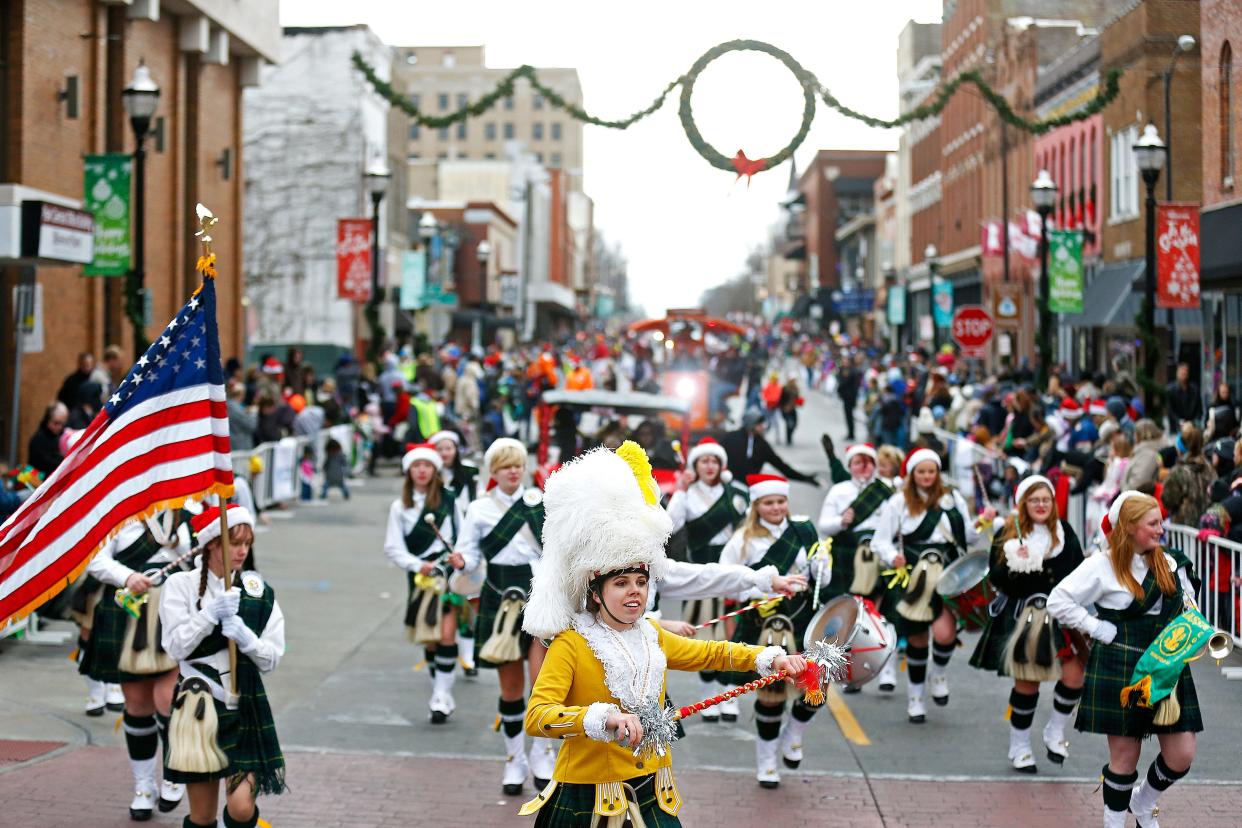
{"type": "Point", "coordinates": [1184, 44]}
{"type": "Point", "coordinates": [377, 178]}
{"type": "Point", "coordinates": [1149, 155]}
{"type": "Point", "coordinates": [933, 265]}
{"type": "Point", "coordinates": [483, 251]}
{"type": "Point", "coordinates": [1044, 197]}
{"type": "Point", "coordinates": [139, 99]}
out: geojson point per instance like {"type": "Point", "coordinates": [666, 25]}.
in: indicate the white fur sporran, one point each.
{"type": "Point", "coordinates": [916, 604]}
{"type": "Point", "coordinates": [1031, 651]}
{"type": "Point", "coordinates": [423, 615]}
{"type": "Point", "coordinates": [778, 631]}
{"type": "Point", "coordinates": [193, 730]}
{"type": "Point", "coordinates": [149, 657]}
{"type": "Point", "coordinates": [866, 570]}
{"type": "Point", "coordinates": [504, 645]}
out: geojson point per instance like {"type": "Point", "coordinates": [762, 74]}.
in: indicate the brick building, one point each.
{"type": "Point", "coordinates": [201, 55]}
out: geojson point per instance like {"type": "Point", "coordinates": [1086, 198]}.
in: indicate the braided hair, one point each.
{"type": "Point", "coordinates": [241, 533]}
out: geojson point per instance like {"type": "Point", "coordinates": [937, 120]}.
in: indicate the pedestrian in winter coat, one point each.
{"type": "Point", "coordinates": [466, 394]}
{"type": "Point", "coordinates": [1185, 401]}
{"type": "Point", "coordinates": [1145, 463]}
{"type": "Point", "coordinates": [1186, 488]}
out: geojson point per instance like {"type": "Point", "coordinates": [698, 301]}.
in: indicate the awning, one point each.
{"type": "Point", "coordinates": [1114, 297]}
{"type": "Point", "coordinates": [1221, 254]}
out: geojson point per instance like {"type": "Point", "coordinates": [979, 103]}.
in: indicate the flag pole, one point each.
{"type": "Point", "coordinates": [206, 264]}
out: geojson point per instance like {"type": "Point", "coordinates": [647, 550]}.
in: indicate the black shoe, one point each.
{"type": "Point", "coordinates": [139, 815]}
{"type": "Point", "coordinates": [167, 805]}
{"type": "Point", "coordinates": [851, 689]}
{"type": "Point", "coordinates": [96, 712]}
{"type": "Point", "coordinates": [1056, 758]}
{"type": "Point", "coordinates": [472, 672]}
{"type": "Point", "coordinates": [888, 688]}
{"type": "Point", "coordinates": [438, 718]}
{"type": "Point", "coordinates": [513, 790]}
{"type": "Point", "coordinates": [917, 719]}
{"type": "Point", "coordinates": [728, 717]}
{"type": "Point", "coordinates": [540, 784]}
{"type": "Point", "coordinates": [1028, 770]}
{"type": "Point", "coordinates": [115, 708]}
{"type": "Point", "coordinates": [792, 764]}
{"type": "Point", "coordinates": [942, 701]}
{"type": "Point", "coordinates": [769, 785]}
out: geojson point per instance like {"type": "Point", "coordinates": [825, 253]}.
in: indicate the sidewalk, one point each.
{"type": "Point", "coordinates": [358, 791]}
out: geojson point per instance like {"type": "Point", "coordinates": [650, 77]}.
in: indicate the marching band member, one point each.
{"type": "Point", "coordinates": [710, 506]}
{"type": "Point", "coordinates": [502, 532]}
{"type": "Point", "coordinates": [1138, 588]}
{"type": "Point", "coordinates": [420, 522]}
{"type": "Point", "coordinates": [770, 537]}
{"type": "Point", "coordinates": [1032, 554]}
{"type": "Point", "coordinates": [850, 515]}
{"type": "Point", "coordinates": [605, 536]}
{"type": "Point", "coordinates": [222, 725]}
{"type": "Point", "coordinates": [127, 650]}
{"type": "Point", "coordinates": [459, 476]}
{"type": "Point", "coordinates": [931, 524]}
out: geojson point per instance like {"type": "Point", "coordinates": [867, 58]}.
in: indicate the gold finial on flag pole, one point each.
{"type": "Point", "coordinates": [206, 220]}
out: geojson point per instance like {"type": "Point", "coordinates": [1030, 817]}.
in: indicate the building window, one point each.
{"type": "Point", "coordinates": [414, 99]}
{"type": "Point", "coordinates": [414, 131]}
{"type": "Point", "coordinates": [442, 156]}
{"type": "Point", "coordinates": [1123, 178]}
{"type": "Point", "coordinates": [463, 100]}
{"type": "Point", "coordinates": [539, 157]}
{"type": "Point", "coordinates": [490, 156]}
{"type": "Point", "coordinates": [442, 99]}
{"type": "Point", "coordinates": [509, 102]}
{"type": "Point", "coordinates": [442, 133]}
{"type": "Point", "coordinates": [536, 130]}
{"type": "Point", "coordinates": [556, 161]}
{"type": "Point", "coordinates": [489, 131]}
{"type": "Point", "coordinates": [449, 60]}
{"type": "Point", "coordinates": [556, 131]}
{"type": "Point", "coordinates": [537, 101]}
{"type": "Point", "coordinates": [508, 130]}
{"type": "Point", "coordinates": [1226, 115]}
{"type": "Point", "coordinates": [412, 157]}
{"type": "Point", "coordinates": [461, 130]}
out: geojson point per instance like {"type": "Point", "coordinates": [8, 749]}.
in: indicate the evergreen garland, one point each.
{"type": "Point", "coordinates": [810, 85]}
{"type": "Point", "coordinates": [1152, 390]}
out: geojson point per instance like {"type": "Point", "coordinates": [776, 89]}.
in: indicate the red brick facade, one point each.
{"type": "Point", "coordinates": [1221, 51]}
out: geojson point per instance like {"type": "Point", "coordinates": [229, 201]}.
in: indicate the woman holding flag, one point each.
{"type": "Point", "coordinates": [1141, 592]}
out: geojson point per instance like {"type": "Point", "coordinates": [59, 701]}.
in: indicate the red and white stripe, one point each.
{"type": "Point", "coordinates": [166, 449]}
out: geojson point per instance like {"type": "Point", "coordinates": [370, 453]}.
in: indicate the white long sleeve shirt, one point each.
{"type": "Point", "coordinates": [1094, 582]}
{"type": "Point", "coordinates": [895, 521]}
{"type": "Point", "coordinates": [745, 554]}
{"type": "Point", "coordinates": [692, 582]}
{"type": "Point", "coordinates": [685, 506]}
{"type": "Point", "coordinates": [185, 626]}
{"type": "Point", "coordinates": [105, 568]}
{"type": "Point", "coordinates": [839, 498]}
{"type": "Point", "coordinates": [401, 521]}
{"type": "Point", "coordinates": [481, 516]}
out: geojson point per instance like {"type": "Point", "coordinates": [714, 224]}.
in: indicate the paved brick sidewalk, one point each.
{"type": "Point", "coordinates": [89, 786]}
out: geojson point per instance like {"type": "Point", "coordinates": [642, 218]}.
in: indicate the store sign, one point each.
{"type": "Point", "coordinates": [1065, 279]}
{"type": "Point", "coordinates": [1007, 302]}
{"type": "Point", "coordinates": [1177, 255]}
{"type": "Point", "coordinates": [897, 305]}
{"type": "Point", "coordinates": [353, 259]}
{"type": "Point", "coordinates": [413, 279]}
{"type": "Point", "coordinates": [106, 181]}
{"type": "Point", "coordinates": [509, 290]}
{"type": "Point", "coordinates": [854, 302]}
{"type": "Point", "coordinates": [56, 233]}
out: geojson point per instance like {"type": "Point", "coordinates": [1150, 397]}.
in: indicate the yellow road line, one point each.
{"type": "Point", "coordinates": [850, 728]}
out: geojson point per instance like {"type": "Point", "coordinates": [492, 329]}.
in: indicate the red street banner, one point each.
{"type": "Point", "coordinates": [1177, 255]}
{"type": "Point", "coordinates": [353, 259]}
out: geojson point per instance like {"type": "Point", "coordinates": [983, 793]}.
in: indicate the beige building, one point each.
{"type": "Point", "coordinates": [442, 79]}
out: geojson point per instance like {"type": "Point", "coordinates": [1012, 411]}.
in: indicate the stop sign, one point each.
{"type": "Point", "coordinates": [972, 328]}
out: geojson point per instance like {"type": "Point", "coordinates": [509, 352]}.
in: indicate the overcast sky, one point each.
{"type": "Point", "coordinates": [684, 225]}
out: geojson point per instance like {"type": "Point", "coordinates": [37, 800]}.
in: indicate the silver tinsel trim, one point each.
{"type": "Point", "coordinates": [830, 657]}
{"type": "Point", "coordinates": [659, 728]}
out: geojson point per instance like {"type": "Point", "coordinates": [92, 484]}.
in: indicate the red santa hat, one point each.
{"type": "Point", "coordinates": [1098, 408]}
{"type": "Point", "coordinates": [762, 485]}
{"type": "Point", "coordinates": [861, 450]}
{"type": "Point", "coordinates": [436, 438]}
{"type": "Point", "coordinates": [1114, 511]}
{"type": "Point", "coordinates": [272, 366]}
{"type": "Point", "coordinates": [206, 524]}
{"type": "Point", "coordinates": [1070, 410]}
{"type": "Point", "coordinates": [421, 451]}
{"type": "Point", "coordinates": [917, 456]}
{"type": "Point", "coordinates": [708, 447]}
{"type": "Point", "coordinates": [1030, 482]}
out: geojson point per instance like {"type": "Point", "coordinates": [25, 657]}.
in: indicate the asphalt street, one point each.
{"type": "Point", "coordinates": [351, 689]}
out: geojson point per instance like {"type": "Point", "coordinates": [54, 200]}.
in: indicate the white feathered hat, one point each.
{"type": "Point", "coordinates": [601, 514]}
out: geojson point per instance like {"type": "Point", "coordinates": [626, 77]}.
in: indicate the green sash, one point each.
{"type": "Point", "coordinates": [418, 539]}
{"type": "Point", "coordinates": [782, 554]}
{"type": "Point", "coordinates": [874, 495]}
{"type": "Point", "coordinates": [138, 554]}
{"type": "Point", "coordinates": [1156, 674]}
{"type": "Point", "coordinates": [931, 519]}
{"type": "Point", "coordinates": [510, 524]}
{"type": "Point", "coordinates": [719, 516]}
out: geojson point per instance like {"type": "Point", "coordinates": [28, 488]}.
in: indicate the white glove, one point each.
{"type": "Point", "coordinates": [1105, 632]}
{"type": "Point", "coordinates": [236, 629]}
{"type": "Point", "coordinates": [222, 606]}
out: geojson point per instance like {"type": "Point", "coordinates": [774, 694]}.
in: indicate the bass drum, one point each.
{"type": "Point", "coordinates": [468, 584]}
{"type": "Point", "coordinates": [966, 591]}
{"type": "Point", "coordinates": [853, 622]}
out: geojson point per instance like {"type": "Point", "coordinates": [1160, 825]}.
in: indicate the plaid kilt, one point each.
{"type": "Point", "coordinates": [989, 653]}
{"type": "Point", "coordinates": [499, 578]}
{"type": "Point", "coordinates": [1109, 670]}
{"type": "Point", "coordinates": [102, 652]}
{"type": "Point", "coordinates": [243, 758]}
{"type": "Point", "coordinates": [573, 806]}
{"type": "Point", "coordinates": [750, 626]}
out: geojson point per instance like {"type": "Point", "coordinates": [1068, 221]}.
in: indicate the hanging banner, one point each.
{"type": "Point", "coordinates": [353, 259]}
{"type": "Point", "coordinates": [1065, 282]}
{"type": "Point", "coordinates": [897, 305]}
{"type": "Point", "coordinates": [413, 279]}
{"type": "Point", "coordinates": [1177, 255]}
{"type": "Point", "coordinates": [106, 181]}
{"type": "Point", "coordinates": [942, 302]}
{"type": "Point", "coordinates": [1007, 303]}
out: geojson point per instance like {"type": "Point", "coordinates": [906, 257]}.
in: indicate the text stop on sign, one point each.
{"type": "Point", "coordinates": [972, 328]}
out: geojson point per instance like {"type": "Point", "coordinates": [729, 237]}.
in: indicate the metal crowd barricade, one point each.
{"type": "Point", "coordinates": [277, 482]}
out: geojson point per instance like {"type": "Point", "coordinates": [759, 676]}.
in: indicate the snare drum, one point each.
{"type": "Point", "coordinates": [966, 592]}
{"type": "Point", "coordinates": [851, 621]}
{"type": "Point", "coordinates": [467, 584]}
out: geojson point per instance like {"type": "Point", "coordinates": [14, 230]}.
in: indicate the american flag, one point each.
{"type": "Point", "coordinates": [161, 438]}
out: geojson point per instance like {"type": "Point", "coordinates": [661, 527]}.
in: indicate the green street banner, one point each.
{"type": "Point", "coordinates": [106, 184]}
{"type": "Point", "coordinates": [1065, 281]}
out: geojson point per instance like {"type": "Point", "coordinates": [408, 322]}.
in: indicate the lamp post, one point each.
{"type": "Point", "coordinates": [139, 99]}
{"type": "Point", "coordinates": [377, 178]}
{"type": "Point", "coordinates": [1149, 155]}
{"type": "Point", "coordinates": [933, 265]}
{"type": "Point", "coordinates": [482, 251]}
{"type": "Point", "coordinates": [1184, 44]}
{"type": "Point", "coordinates": [1044, 197]}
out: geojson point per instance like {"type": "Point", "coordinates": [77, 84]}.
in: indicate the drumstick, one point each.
{"type": "Point", "coordinates": [761, 603]}
{"type": "Point", "coordinates": [430, 520]}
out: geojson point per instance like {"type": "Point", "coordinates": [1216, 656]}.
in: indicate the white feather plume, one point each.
{"type": "Point", "coordinates": [595, 520]}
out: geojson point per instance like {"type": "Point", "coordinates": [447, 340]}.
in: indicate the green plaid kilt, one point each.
{"type": "Point", "coordinates": [1109, 670]}
{"type": "Point", "coordinates": [750, 626]}
{"type": "Point", "coordinates": [989, 653]}
{"type": "Point", "coordinates": [573, 806]}
{"type": "Point", "coordinates": [102, 652]}
{"type": "Point", "coordinates": [243, 758]}
{"type": "Point", "coordinates": [499, 578]}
